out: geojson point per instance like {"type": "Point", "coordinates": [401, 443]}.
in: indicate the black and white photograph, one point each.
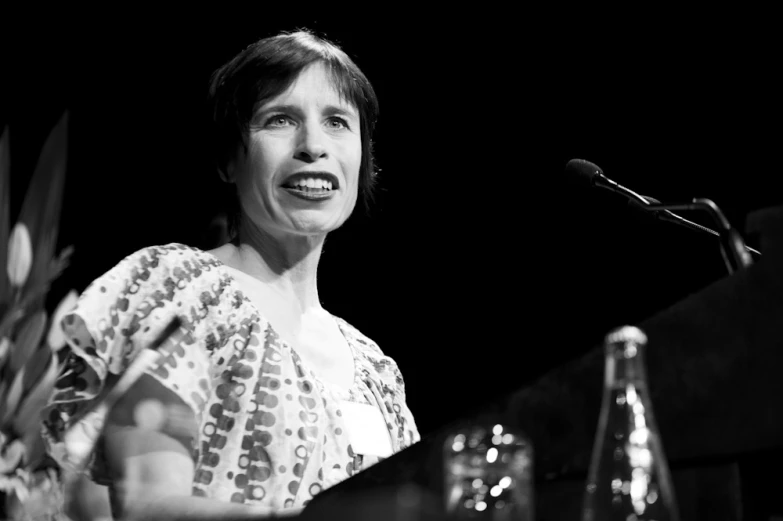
{"type": "Point", "coordinates": [377, 263]}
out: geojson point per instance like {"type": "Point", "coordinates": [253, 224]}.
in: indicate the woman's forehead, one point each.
{"type": "Point", "coordinates": [315, 84]}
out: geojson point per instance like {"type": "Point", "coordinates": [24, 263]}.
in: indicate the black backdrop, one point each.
{"type": "Point", "coordinates": [481, 265]}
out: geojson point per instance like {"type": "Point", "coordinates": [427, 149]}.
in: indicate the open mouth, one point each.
{"type": "Point", "coordinates": [312, 182]}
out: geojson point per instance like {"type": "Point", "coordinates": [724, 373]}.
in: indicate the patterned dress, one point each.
{"type": "Point", "coordinates": [271, 432]}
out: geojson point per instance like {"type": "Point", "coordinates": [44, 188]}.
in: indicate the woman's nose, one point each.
{"type": "Point", "coordinates": [312, 144]}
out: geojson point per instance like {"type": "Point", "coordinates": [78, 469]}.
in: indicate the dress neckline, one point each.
{"type": "Point", "coordinates": [336, 388]}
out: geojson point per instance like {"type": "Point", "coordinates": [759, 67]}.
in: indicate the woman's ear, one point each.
{"type": "Point", "coordinates": [227, 169]}
{"type": "Point", "coordinates": [223, 174]}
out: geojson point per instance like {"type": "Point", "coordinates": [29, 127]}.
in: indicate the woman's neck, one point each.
{"type": "Point", "coordinates": [288, 265]}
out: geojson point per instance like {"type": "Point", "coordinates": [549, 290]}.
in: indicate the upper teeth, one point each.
{"type": "Point", "coordinates": [311, 182]}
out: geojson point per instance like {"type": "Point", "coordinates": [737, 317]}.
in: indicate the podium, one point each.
{"type": "Point", "coordinates": [715, 369]}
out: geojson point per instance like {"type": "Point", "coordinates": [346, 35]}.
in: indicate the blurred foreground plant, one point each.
{"type": "Point", "coordinates": [29, 337]}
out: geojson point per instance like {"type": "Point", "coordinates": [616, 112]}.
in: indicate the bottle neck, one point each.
{"type": "Point", "coordinates": [625, 365]}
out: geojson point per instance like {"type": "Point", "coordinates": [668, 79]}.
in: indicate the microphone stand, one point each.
{"type": "Point", "coordinates": [735, 253]}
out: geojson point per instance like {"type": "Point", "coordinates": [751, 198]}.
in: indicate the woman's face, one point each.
{"type": "Point", "coordinates": [300, 174]}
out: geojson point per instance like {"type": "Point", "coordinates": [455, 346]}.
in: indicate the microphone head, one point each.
{"type": "Point", "coordinates": [585, 171]}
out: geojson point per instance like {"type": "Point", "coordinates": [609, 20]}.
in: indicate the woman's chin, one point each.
{"type": "Point", "coordinates": [314, 227]}
{"type": "Point", "coordinates": [311, 222]}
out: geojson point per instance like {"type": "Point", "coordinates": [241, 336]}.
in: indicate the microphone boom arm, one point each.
{"type": "Point", "coordinates": [736, 253]}
{"type": "Point", "coordinates": [650, 204]}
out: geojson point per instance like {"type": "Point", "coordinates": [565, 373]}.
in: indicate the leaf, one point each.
{"type": "Point", "coordinates": [35, 446]}
{"type": "Point", "coordinates": [28, 419]}
{"type": "Point", "coordinates": [43, 201]}
{"type": "Point", "coordinates": [58, 265]}
{"type": "Point", "coordinates": [5, 365]}
{"type": "Point", "coordinates": [11, 457]}
{"type": "Point", "coordinates": [3, 387]}
{"type": "Point", "coordinates": [5, 347]}
{"type": "Point", "coordinates": [56, 337]}
{"type": "Point", "coordinates": [20, 255]}
{"type": "Point", "coordinates": [35, 367]}
{"type": "Point", "coordinates": [5, 188]}
{"type": "Point", "coordinates": [28, 339]}
{"type": "Point", "coordinates": [10, 318]}
{"type": "Point", "coordinates": [9, 405]}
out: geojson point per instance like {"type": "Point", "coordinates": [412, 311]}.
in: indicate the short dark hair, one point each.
{"type": "Point", "coordinates": [268, 68]}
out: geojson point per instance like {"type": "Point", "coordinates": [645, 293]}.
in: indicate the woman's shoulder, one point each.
{"type": "Point", "coordinates": [158, 281]}
{"type": "Point", "coordinates": [358, 338]}
{"type": "Point", "coordinates": [174, 263]}
{"type": "Point", "coordinates": [169, 256]}
{"type": "Point", "coordinates": [368, 348]}
{"type": "Point", "coordinates": [382, 370]}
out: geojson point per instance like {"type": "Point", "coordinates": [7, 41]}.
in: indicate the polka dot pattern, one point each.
{"type": "Point", "coordinates": [270, 431]}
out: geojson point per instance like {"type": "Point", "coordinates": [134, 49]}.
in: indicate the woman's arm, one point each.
{"type": "Point", "coordinates": [147, 448]}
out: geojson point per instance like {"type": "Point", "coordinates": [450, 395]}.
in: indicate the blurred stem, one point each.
{"type": "Point", "coordinates": [17, 310]}
{"type": "Point", "coordinates": [11, 317]}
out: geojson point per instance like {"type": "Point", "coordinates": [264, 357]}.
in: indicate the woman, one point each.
{"type": "Point", "coordinates": [269, 398]}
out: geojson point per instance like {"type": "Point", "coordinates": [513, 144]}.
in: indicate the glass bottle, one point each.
{"type": "Point", "coordinates": [629, 477]}
{"type": "Point", "coordinates": [488, 471]}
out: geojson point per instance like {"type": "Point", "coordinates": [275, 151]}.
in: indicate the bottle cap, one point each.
{"type": "Point", "coordinates": [626, 334]}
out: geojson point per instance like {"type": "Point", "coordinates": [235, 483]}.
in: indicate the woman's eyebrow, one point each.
{"type": "Point", "coordinates": [340, 110]}
{"type": "Point", "coordinates": [329, 110]}
{"type": "Point", "coordinates": [278, 108]}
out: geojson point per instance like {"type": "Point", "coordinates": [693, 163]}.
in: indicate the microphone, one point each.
{"type": "Point", "coordinates": [590, 174]}
{"type": "Point", "coordinates": [735, 253]}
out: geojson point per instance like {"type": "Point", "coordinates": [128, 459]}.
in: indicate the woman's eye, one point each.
{"type": "Point", "coordinates": [338, 122]}
{"type": "Point", "coordinates": [278, 121]}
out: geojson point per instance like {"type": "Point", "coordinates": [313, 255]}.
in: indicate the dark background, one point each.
{"type": "Point", "coordinates": [482, 265]}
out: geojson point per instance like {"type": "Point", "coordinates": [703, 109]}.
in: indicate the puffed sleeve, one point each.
{"type": "Point", "coordinates": [383, 379]}
{"type": "Point", "coordinates": [393, 393]}
{"type": "Point", "coordinates": [408, 432]}
{"type": "Point", "coordinates": [118, 316]}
